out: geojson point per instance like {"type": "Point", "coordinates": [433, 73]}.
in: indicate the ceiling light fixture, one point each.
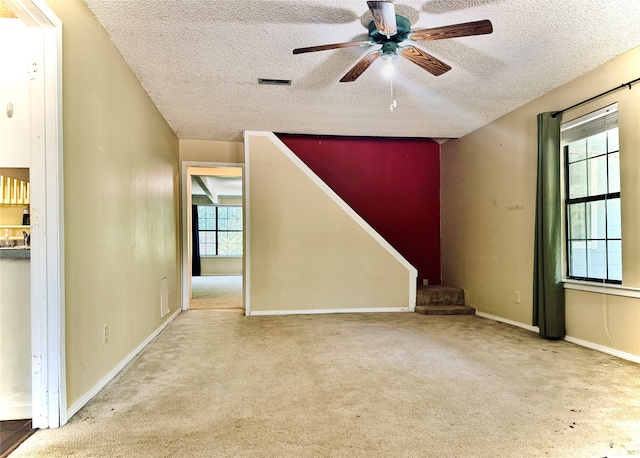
{"type": "Point", "coordinates": [388, 69]}
{"type": "Point", "coordinates": [389, 56]}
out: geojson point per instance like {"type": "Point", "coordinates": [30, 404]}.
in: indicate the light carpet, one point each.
{"type": "Point", "coordinates": [366, 385]}
{"type": "Point", "coordinates": [216, 292]}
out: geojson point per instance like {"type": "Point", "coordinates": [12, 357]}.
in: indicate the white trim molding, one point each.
{"type": "Point", "coordinates": [185, 187]}
{"type": "Point", "coordinates": [246, 237]}
{"type": "Point", "coordinates": [528, 327]}
{"type": "Point", "coordinates": [80, 403]}
{"type": "Point", "coordinates": [49, 397]}
{"type": "Point", "coordinates": [583, 343]}
{"type": "Point", "coordinates": [34, 13]}
{"type": "Point", "coordinates": [328, 311]}
{"type": "Point", "coordinates": [601, 348]}
{"type": "Point", "coordinates": [15, 411]}
{"type": "Point", "coordinates": [602, 288]}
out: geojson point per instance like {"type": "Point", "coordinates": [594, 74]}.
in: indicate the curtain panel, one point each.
{"type": "Point", "coordinates": [548, 290]}
{"type": "Point", "coordinates": [195, 237]}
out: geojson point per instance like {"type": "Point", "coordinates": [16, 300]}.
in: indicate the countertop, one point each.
{"type": "Point", "coordinates": [20, 252]}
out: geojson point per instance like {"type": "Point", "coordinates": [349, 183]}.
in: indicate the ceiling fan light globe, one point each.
{"type": "Point", "coordinates": [389, 69]}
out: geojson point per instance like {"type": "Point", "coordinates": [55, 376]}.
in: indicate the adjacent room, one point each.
{"type": "Point", "coordinates": [216, 238]}
{"type": "Point", "coordinates": [301, 228]}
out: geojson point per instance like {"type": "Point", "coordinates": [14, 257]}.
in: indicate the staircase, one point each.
{"type": "Point", "coordinates": [442, 300]}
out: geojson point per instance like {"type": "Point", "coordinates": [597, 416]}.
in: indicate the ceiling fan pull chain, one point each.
{"type": "Point", "coordinates": [394, 103]}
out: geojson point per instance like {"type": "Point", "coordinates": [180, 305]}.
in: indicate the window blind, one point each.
{"type": "Point", "coordinates": [594, 126]}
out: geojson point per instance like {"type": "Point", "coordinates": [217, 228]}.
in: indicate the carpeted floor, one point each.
{"type": "Point", "coordinates": [216, 292]}
{"type": "Point", "coordinates": [368, 385]}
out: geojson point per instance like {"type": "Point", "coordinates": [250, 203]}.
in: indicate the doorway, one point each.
{"type": "Point", "coordinates": [15, 263]}
{"type": "Point", "coordinates": [48, 378]}
{"type": "Point", "coordinates": [213, 236]}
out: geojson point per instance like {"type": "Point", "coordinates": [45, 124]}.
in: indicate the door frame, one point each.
{"type": "Point", "coordinates": [186, 222]}
{"type": "Point", "coordinates": [49, 397]}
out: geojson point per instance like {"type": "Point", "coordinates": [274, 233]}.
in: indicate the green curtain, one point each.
{"type": "Point", "coordinates": [548, 290]}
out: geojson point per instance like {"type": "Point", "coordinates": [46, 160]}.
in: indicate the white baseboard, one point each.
{"type": "Point", "coordinates": [603, 349]}
{"type": "Point", "coordinates": [528, 327]}
{"type": "Point", "coordinates": [15, 411]}
{"type": "Point", "coordinates": [80, 403]}
{"type": "Point", "coordinates": [583, 343]}
{"type": "Point", "coordinates": [323, 311]}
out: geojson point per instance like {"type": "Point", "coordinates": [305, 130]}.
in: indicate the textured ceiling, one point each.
{"type": "Point", "coordinates": [200, 62]}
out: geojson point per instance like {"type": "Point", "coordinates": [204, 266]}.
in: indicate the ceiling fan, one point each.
{"type": "Point", "coordinates": [390, 31]}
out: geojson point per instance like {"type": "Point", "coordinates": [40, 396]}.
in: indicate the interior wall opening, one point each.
{"type": "Point", "coordinates": [215, 238]}
{"type": "Point", "coordinates": [31, 153]}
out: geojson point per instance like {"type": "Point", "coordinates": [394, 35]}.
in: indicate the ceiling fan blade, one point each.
{"type": "Point", "coordinates": [384, 15]}
{"type": "Point", "coordinates": [424, 60]}
{"type": "Point", "coordinates": [465, 29]}
{"type": "Point", "coordinates": [360, 67]}
{"type": "Point", "coordinates": [332, 46]}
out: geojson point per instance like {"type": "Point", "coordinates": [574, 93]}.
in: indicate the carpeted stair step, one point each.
{"type": "Point", "coordinates": [445, 310]}
{"type": "Point", "coordinates": [439, 295]}
{"type": "Point", "coordinates": [441, 300]}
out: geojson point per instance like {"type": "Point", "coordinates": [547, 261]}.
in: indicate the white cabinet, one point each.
{"type": "Point", "coordinates": [14, 93]}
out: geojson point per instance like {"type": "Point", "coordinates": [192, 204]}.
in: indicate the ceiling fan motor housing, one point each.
{"type": "Point", "coordinates": [390, 50]}
{"type": "Point", "coordinates": [403, 27]}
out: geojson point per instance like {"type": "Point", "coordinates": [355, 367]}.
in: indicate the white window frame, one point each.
{"type": "Point", "coordinates": [576, 123]}
{"type": "Point", "coordinates": [219, 230]}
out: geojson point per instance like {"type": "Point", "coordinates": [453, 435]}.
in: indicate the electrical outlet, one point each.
{"type": "Point", "coordinates": [106, 334]}
{"type": "Point", "coordinates": [516, 297]}
{"type": "Point", "coordinates": [425, 281]}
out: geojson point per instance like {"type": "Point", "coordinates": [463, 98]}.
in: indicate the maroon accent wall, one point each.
{"type": "Point", "coordinates": [392, 183]}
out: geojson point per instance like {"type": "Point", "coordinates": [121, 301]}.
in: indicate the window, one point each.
{"type": "Point", "coordinates": [592, 197]}
{"type": "Point", "coordinates": [220, 230]}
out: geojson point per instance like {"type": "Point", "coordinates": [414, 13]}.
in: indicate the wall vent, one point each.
{"type": "Point", "coordinates": [274, 82]}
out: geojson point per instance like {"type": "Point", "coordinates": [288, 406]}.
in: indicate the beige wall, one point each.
{"type": "Point", "coordinates": [12, 216]}
{"type": "Point", "coordinates": [211, 151]}
{"type": "Point", "coordinates": [121, 203]}
{"type": "Point", "coordinates": [304, 251]}
{"type": "Point", "coordinates": [622, 328]}
{"type": "Point", "coordinates": [221, 265]}
{"type": "Point", "coordinates": [488, 209]}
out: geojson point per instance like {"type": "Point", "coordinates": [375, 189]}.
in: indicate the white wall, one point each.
{"type": "Point", "coordinates": [15, 339]}
{"type": "Point", "coordinates": [15, 284]}
{"type": "Point", "coordinates": [14, 89]}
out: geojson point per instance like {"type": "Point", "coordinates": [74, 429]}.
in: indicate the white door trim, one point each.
{"type": "Point", "coordinates": [186, 222]}
{"type": "Point", "coordinates": [49, 400]}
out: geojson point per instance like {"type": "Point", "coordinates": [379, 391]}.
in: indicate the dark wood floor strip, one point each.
{"type": "Point", "coordinates": [12, 434]}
